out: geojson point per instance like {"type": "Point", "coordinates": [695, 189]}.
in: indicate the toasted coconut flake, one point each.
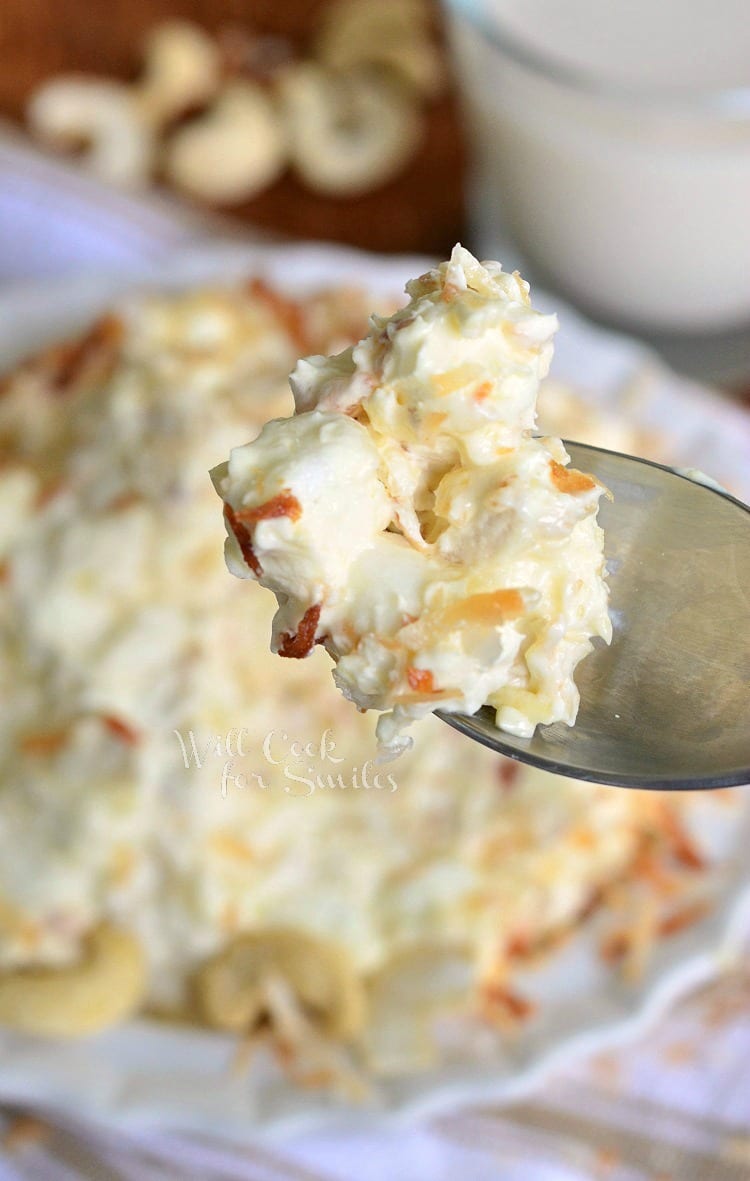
{"type": "Point", "coordinates": [299, 644]}
{"type": "Point", "coordinates": [283, 505]}
{"type": "Point", "coordinates": [501, 1005]}
{"type": "Point", "coordinates": [44, 742]}
{"type": "Point", "coordinates": [490, 609]}
{"type": "Point", "coordinates": [91, 357]}
{"type": "Point", "coordinates": [121, 730]}
{"type": "Point", "coordinates": [570, 480]}
{"type": "Point", "coordinates": [288, 312]}
{"type": "Point", "coordinates": [244, 540]}
{"type": "Point", "coordinates": [420, 679]}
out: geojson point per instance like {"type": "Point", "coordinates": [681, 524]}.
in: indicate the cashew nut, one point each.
{"type": "Point", "coordinates": [348, 133]}
{"type": "Point", "coordinates": [231, 988]}
{"type": "Point", "coordinates": [232, 152]}
{"type": "Point", "coordinates": [99, 115]}
{"type": "Point", "coordinates": [182, 70]}
{"type": "Point", "coordinates": [391, 33]}
{"type": "Point", "coordinates": [102, 988]}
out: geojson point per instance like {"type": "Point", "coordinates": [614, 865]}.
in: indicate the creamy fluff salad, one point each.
{"type": "Point", "coordinates": [189, 825]}
{"type": "Point", "coordinates": [408, 518]}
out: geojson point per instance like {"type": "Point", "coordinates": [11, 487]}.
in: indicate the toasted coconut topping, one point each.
{"type": "Point", "coordinates": [283, 505]}
{"type": "Point", "coordinates": [570, 480]}
{"type": "Point", "coordinates": [299, 644]}
{"type": "Point", "coordinates": [243, 540]}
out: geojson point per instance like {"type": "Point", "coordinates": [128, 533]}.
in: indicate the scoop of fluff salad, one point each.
{"type": "Point", "coordinates": [407, 518]}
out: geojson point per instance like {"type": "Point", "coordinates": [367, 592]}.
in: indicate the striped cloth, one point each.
{"type": "Point", "coordinates": [675, 1107]}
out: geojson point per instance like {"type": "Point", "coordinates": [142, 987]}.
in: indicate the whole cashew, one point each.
{"type": "Point", "coordinates": [232, 151]}
{"type": "Point", "coordinates": [182, 69]}
{"type": "Point", "coordinates": [101, 989]}
{"type": "Point", "coordinates": [348, 133]}
{"type": "Point", "coordinates": [101, 115]}
{"type": "Point", "coordinates": [231, 987]}
{"type": "Point", "coordinates": [391, 33]}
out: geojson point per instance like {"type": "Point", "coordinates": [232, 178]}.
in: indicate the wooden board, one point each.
{"type": "Point", "coordinates": [423, 209]}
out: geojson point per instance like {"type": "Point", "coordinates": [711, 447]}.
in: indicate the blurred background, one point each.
{"type": "Point", "coordinates": [594, 147]}
{"type": "Point", "coordinates": [366, 83]}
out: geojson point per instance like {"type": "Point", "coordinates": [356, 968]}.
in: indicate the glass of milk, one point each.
{"type": "Point", "coordinates": [612, 138]}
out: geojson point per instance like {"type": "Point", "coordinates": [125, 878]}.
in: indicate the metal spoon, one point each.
{"type": "Point", "coordinates": [667, 704]}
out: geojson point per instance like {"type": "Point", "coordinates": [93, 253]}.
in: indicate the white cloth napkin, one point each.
{"type": "Point", "coordinates": [674, 1107]}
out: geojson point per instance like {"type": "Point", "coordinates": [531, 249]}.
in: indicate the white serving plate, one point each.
{"type": "Point", "coordinates": [147, 1074]}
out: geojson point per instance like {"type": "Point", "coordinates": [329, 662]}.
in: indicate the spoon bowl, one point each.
{"type": "Point", "coordinates": [667, 704]}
